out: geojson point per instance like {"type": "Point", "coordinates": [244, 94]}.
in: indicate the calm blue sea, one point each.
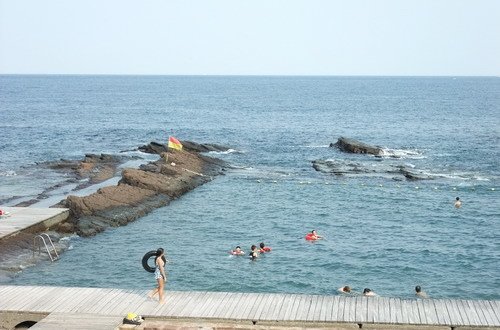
{"type": "Point", "coordinates": [382, 234]}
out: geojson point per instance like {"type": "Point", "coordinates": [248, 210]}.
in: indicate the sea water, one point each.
{"type": "Point", "coordinates": [379, 233]}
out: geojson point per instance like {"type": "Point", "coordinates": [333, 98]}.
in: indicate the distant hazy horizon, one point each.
{"type": "Point", "coordinates": [258, 38]}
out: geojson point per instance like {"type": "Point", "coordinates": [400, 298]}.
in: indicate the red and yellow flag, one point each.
{"type": "Point", "coordinates": [174, 143]}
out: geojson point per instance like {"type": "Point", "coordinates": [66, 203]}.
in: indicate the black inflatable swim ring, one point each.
{"type": "Point", "coordinates": [151, 255]}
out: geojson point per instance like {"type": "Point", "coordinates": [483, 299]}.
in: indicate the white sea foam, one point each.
{"type": "Point", "coordinates": [226, 152]}
{"type": "Point", "coordinates": [316, 146]}
{"type": "Point", "coordinates": [8, 173]}
{"type": "Point", "coordinates": [402, 153]}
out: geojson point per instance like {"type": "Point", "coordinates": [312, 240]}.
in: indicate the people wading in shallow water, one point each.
{"type": "Point", "coordinates": [160, 276]}
{"type": "Point", "coordinates": [458, 203]}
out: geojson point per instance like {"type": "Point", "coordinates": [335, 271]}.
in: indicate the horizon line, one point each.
{"type": "Point", "coordinates": [245, 75]}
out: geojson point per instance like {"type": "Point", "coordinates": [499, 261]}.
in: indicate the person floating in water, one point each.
{"type": "Point", "coordinates": [345, 289]}
{"type": "Point", "coordinates": [419, 293]}
{"type": "Point", "coordinates": [368, 292]}
{"type": "Point", "coordinates": [254, 252]}
{"type": "Point", "coordinates": [313, 236]}
{"type": "Point", "coordinates": [458, 203]}
{"type": "Point", "coordinates": [237, 251]}
{"type": "Point", "coordinates": [264, 248]}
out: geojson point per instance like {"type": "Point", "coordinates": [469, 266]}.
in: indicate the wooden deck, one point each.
{"type": "Point", "coordinates": [248, 307]}
{"type": "Point", "coordinates": [21, 218]}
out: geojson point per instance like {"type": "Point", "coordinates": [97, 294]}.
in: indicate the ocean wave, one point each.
{"type": "Point", "coordinates": [226, 152]}
{"type": "Point", "coordinates": [316, 146]}
{"type": "Point", "coordinates": [8, 173]}
{"type": "Point", "coordinates": [402, 153]}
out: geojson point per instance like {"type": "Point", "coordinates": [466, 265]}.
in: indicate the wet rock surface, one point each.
{"type": "Point", "coordinates": [141, 190]}
{"type": "Point", "coordinates": [354, 146]}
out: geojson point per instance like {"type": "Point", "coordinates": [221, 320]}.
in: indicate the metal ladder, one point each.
{"type": "Point", "coordinates": [41, 238]}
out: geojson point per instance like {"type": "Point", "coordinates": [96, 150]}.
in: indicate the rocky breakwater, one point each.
{"type": "Point", "coordinates": [383, 162]}
{"type": "Point", "coordinates": [141, 190]}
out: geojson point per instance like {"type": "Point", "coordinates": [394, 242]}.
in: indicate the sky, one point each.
{"type": "Point", "coordinates": [258, 37]}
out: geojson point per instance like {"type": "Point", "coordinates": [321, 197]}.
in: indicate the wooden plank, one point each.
{"type": "Point", "coordinates": [117, 298]}
{"type": "Point", "coordinates": [396, 313]}
{"type": "Point", "coordinates": [91, 294]}
{"type": "Point", "coordinates": [340, 310]}
{"type": "Point", "coordinates": [455, 317]}
{"type": "Point", "coordinates": [223, 304]}
{"type": "Point", "coordinates": [332, 313]}
{"type": "Point", "coordinates": [315, 302]}
{"type": "Point", "coordinates": [326, 308]}
{"type": "Point", "coordinates": [191, 302]}
{"type": "Point", "coordinates": [178, 301]}
{"type": "Point", "coordinates": [211, 312]}
{"type": "Point", "coordinates": [349, 302]}
{"type": "Point", "coordinates": [20, 297]}
{"type": "Point", "coordinates": [195, 304]}
{"type": "Point", "coordinates": [304, 308]}
{"type": "Point", "coordinates": [59, 296]}
{"type": "Point", "coordinates": [361, 309]}
{"type": "Point", "coordinates": [269, 303]}
{"type": "Point", "coordinates": [41, 300]}
{"type": "Point", "coordinates": [472, 315]}
{"type": "Point", "coordinates": [496, 309]}
{"type": "Point", "coordinates": [7, 295]}
{"type": "Point", "coordinates": [136, 298]}
{"type": "Point", "coordinates": [405, 309]}
{"type": "Point", "coordinates": [421, 311]}
{"type": "Point", "coordinates": [430, 310]}
{"type": "Point", "coordinates": [256, 308]}
{"type": "Point", "coordinates": [182, 302]}
{"type": "Point", "coordinates": [288, 313]}
{"type": "Point", "coordinates": [234, 308]}
{"type": "Point", "coordinates": [489, 317]}
{"type": "Point", "coordinates": [297, 305]}
{"type": "Point", "coordinates": [201, 308]}
{"type": "Point", "coordinates": [61, 304]}
{"type": "Point", "coordinates": [78, 321]}
{"type": "Point", "coordinates": [249, 303]}
{"type": "Point", "coordinates": [172, 298]}
{"type": "Point", "coordinates": [442, 312]}
{"type": "Point", "coordinates": [205, 310]}
{"type": "Point", "coordinates": [276, 307]}
{"type": "Point", "coordinates": [384, 309]}
{"type": "Point", "coordinates": [372, 306]}
{"type": "Point", "coordinates": [31, 294]}
{"type": "Point", "coordinates": [105, 299]}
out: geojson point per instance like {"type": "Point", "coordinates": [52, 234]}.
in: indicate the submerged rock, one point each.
{"type": "Point", "coordinates": [350, 168]}
{"type": "Point", "coordinates": [356, 147]}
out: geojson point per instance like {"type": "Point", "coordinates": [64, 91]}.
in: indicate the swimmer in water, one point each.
{"type": "Point", "coordinates": [254, 252]}
{"type": "Point", "coordinates": [368, 293]}
{"type": "Point", "coordinates": [237, 251]}
{"type": "Point", "coordinates": [458, 203]}
{"type": "Point", "coordinates": [345, 289]}
{"type": "Point", "coordinates": [419, 293]}
{"type": "Point", "coordinates": [315, 235]}
{"type": "Point", "coordinates": [264, 248]}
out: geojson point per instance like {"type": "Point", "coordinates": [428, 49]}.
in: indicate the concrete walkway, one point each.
{"type": "Point", "coordinates": [24, 218]}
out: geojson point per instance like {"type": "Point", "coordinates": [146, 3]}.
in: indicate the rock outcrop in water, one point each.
{"type": "Point", "coordinates": [356, 147]}
{"type": "Point", "coordinates": [141, 190]}
{"type": "Point", "coordinates": [396, 172]}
